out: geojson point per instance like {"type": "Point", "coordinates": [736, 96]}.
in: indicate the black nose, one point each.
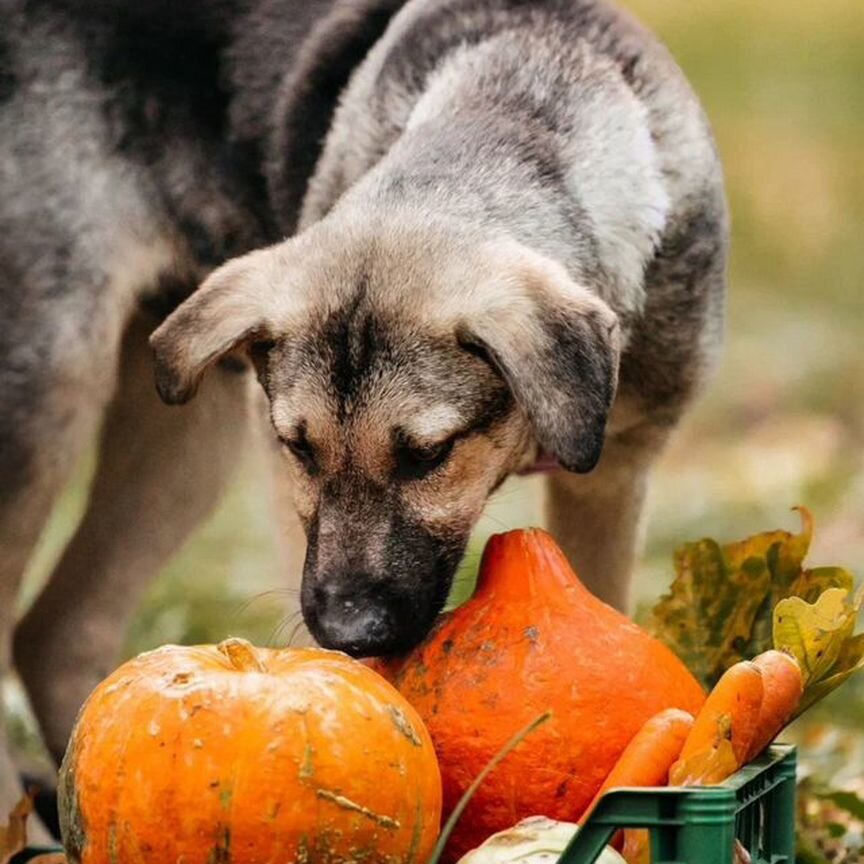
{"type": "Point", "coordinates": [361, 626]}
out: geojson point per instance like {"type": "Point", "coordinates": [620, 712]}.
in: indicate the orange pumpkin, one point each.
{"type": "Point", "coordinates": [534, 638]}
{"type": "Point", "coordinates": [232, 753]}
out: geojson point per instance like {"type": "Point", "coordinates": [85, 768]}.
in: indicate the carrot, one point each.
{"type": "Point", "coordinates": [637, 846]}
{"type": "Point", "coordinates": [724, 730]}
{"type": "Point", "coordinates": [649, 755]}
{"type": "Point", "coordinates": [783, 684]}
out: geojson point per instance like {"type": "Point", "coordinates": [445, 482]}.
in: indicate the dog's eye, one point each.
{"type": "Point", "coordinates": [301, 449]}
{"type": "Point", "coordinates": [415, 461]}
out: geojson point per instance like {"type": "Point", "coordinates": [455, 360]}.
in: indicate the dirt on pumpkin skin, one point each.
{"type": "Point", "coordinates": [221, 853]}
{"type": "Point", "coordinates": [401, 722]}
{"type": "Point", "coordinates": [348, 804]}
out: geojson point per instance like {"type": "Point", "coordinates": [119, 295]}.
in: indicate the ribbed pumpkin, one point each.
{"type": "Point", "coordinates": [534, 638]}
{"type": "Point", "coordinates": [228, 753]}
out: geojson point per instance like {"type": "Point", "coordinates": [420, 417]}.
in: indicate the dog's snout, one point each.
{"type": "Point", "coordinates": [361, 626]}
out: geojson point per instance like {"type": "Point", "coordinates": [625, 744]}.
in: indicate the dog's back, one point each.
{"type": "Point", "coordinates": [590, 74]}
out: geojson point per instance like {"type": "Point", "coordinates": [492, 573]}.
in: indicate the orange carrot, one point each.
{"type": "Point", "coordinates": [783, 684]}
{"type": "Point", "coordinates": [708, 767]}
{"type": "Point", "coordinates": [646, 760]}
{"type": "Point", "coordinates": [724, 730]}
{"type": "Point", "coordinates": [637, 846]}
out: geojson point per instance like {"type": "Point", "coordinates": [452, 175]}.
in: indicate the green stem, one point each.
{"type": "Point", "coordinates": [491, 765]}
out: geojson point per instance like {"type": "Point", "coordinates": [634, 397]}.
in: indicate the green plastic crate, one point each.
{"type": "Point", "coordinates": [699, 825]}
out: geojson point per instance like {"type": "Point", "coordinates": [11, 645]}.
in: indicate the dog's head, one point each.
{"type": "Point", "coordinates": [408, 374]}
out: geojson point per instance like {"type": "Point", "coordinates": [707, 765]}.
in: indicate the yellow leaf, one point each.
{"type": "Point", "coordinates": [811, 583]}
{"type": "Point", "coordinates": [814, 633]}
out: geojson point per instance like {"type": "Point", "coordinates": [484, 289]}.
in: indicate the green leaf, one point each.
{"type": "Point", "coordinates": [719, 608]}
{"type": "Point", "coordinates": [706, 594]}
{"type": "Point", "coordinates": [814, 633]}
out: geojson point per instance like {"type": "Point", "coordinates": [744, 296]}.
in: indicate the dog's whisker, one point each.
{"type": "Point", "coordinates": [245, 605]}
{"type": "Point", "coordinates": [299, 628]}
{"type": "Point", "coordinates": [281, 627]}
{"type": "Point", "coordinates": [271, 639]}
{"type": "Point", "coordinates": [487, 517]}
{"type": "Point", "coordinates": [510, 494]}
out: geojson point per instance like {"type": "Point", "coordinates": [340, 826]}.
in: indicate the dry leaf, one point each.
{"type": "Point", "coordinates": [741, 856]}
{"type": "Point", "coordinates": [718, 610]}
{"type": "Point", "coordinates": [811, 583]}
{"type": "Point", "coordinates": [723, 604]}
{"type": "Point", "coordinates": [13, 837]}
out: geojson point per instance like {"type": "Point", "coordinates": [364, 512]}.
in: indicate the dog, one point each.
{"type": "Point", "coordinates": [452, 239]}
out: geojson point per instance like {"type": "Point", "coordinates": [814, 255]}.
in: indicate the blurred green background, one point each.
{"type": "Point", "coordinates": [783, 423]}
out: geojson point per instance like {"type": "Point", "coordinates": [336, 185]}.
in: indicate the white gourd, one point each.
{"type": "Point", "coordinates": [536, 840]}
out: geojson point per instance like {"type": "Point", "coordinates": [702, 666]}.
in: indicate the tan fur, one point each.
{"type": "Point", "coordinates": [418, 279]}
{"type": "Point", "coordinates": [456, 498]}
{"type": "Point", "coordinates": [453, 497]}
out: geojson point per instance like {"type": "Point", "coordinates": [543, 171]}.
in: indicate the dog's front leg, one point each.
{"type": "Point", "coordinates": [160, 472]}
{"type": "Point", "coordinates": [596, 517]}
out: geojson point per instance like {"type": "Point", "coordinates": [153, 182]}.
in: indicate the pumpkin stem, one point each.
{"type": "Point", "coordinates": [241, 654]}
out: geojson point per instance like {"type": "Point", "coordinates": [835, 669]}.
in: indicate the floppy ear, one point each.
{"type": "Point", "coordinates": [239, 303]}
{"type": "Point", "coordinates": [558, 347]}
